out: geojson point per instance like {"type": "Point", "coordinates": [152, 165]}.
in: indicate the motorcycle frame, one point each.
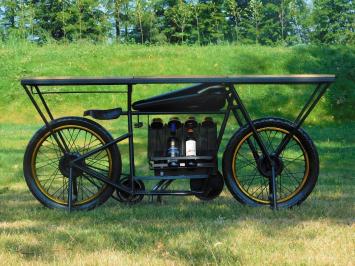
{"type": "Point", "coordinates": [235, 106]}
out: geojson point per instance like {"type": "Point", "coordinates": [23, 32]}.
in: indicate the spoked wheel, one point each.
{"type": "Point", "coordinates": [46, 166]}
{"type": "Point", "coordinates": [296, 169]}
{"type": "Point", "coordinates": [126, 197]}
{"type": "Point", "coordinates": [212, 186]}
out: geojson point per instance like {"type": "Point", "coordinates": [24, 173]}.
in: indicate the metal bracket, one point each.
{"type": "Point", "coordinates": [138, 124]}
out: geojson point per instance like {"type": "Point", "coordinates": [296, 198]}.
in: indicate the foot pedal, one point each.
{"type": "Point", "coordinates": [138, 124]}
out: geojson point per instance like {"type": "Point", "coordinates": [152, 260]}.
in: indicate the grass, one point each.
{"type": "Point", "coordinates": [180, 231]}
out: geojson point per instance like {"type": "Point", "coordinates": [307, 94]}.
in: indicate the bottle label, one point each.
{"type": "Point", "coordinates": [190, 148]}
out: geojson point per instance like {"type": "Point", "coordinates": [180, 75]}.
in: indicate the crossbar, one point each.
{"type": "Point", "coordinates": [241, 79]}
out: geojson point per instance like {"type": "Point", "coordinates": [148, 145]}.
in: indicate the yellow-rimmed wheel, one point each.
{"type": "Point", "coordinates": [47, 167]}
{"type": "Point", "coordinates": [248, 174]}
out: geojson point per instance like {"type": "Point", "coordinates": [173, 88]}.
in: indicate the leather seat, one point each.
{"type": "Point", "coordinates": [199, 97]}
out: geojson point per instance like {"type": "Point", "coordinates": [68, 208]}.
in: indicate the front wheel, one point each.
{"type": "Point", "coordinates": [247, 174]}
{"type": "Point", "coordinates": [47, 167]}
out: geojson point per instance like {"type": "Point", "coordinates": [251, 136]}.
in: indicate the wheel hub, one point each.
{"type": "Point", "coordinates": [264, 166]}
{"type": "Point", "coordinates": [64, 165]}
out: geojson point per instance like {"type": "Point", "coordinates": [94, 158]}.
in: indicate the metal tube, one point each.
{"type": "Point", "coordinates": [81, 92]}
{"type": "Point", "coordinates": [103, 147]}
{"type": "Point", "coordinates": [302, 116]}
{"type": "Point", "coordinates": [223, 126]}
{"type": "Point", "coordinates": [130, 139]}
{"type": "Point", "coordinates": [173, 112]}
{"type": "Point", "coordinates": [101, 177]}
{"type": "Point", "coordinates": [70, 189]}
{"type": "Point", "coordinates": [250, 123]}
{"type": "Point", "coordinates": [39, 111]}
{"type": "Point", "coordinates": [51, 117]}
{"type": "Point", "coordinates": [250, 143]}
{"type": "Point", "coordinates": [246, 79]}
{"type": "Point", "coordinates": [44, 102]}
{"type": "Point", "coordinates": [274, 188]}
{"type": "Point", "coordinates": [168, 193]}
{"type": "Point", "coordinates": [305, 115]}
{"type": "Point", "coordinates": [308, 102]}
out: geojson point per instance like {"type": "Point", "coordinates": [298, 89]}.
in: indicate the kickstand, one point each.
{"type": "Point", "coordinates": [70, 189]}
{"type": "Point", "coordinates": [273, 189]}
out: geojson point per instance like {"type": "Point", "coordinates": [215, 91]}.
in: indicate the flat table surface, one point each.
{"type": "Point", "coordinates": [240, 79]}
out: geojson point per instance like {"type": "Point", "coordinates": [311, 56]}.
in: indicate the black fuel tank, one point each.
{"type": "Point", "coordinates": [199, 97]}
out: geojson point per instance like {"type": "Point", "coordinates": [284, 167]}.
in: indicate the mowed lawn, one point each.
{"type": "Point", "coordinates": [181, 230]}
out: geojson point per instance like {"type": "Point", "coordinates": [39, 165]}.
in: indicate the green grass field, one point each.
{"type": "Point", "coordinates": [180, 231]}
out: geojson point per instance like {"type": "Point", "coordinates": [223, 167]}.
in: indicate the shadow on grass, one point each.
{"type": "Point", "coordinates": [143, 227]}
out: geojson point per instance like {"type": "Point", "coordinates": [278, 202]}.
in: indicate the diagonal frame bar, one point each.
{"type": "Point", "coordinates": [306, 110]}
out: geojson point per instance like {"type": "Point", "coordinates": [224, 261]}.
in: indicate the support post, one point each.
{"type": "Point", "coordinates": [250, 123]}
{"type": "Point", "coordinates": [70, 189]}
{"type": "Point", "coordinates": [130, 138]}
{"type": "Point", "coordinates": [46, 122]}
{"type": "Point", "coordinates": [306, 110]}
{"type": "Point", "coordinates": [274, 188]}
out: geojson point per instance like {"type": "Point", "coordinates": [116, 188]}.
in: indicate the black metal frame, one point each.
{"type": "Point", "coordinates": [234, 105]}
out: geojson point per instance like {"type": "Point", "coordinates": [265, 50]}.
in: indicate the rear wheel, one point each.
{"type": "Point", "coordinates": [297, 167]}
{"type": "Point", "coordinates": [46, 167]}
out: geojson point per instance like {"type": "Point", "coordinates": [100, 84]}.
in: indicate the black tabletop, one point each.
{"type": "Point", "coordinates": [240, 79]}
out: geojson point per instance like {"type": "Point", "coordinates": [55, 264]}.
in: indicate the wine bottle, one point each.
{"type": "Point", "coordinates": [173, 142]}
{"type": "Point", "coordinates": [190, 143]}
{"type": "Point", "coordinates": [190, 146]}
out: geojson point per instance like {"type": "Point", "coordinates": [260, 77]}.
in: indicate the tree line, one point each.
{"type": "Point", "coordinates": [281, 22]}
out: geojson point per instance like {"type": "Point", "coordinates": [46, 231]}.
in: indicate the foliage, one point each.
{"type": "Point", "coordinates": [271, 22]}
{"type": "Point", "coordinates": [334, 21]}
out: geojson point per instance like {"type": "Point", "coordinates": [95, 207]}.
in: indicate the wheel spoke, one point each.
{"type": "Point", "coordinates": [51, 177]}
{"type": "Point", "coordinates": [269, 142]}
{"type": "Point", "coordinates": [91, 181]}
{"type": "Point", "coordinates": [51, 165]}
{"type": "Point", "coordinates": [252, 179]}
{"type": "Point", "coordinates": [292, 160]}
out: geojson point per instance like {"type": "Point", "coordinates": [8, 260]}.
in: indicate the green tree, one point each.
{"type": "Point", "coordinates": [299, 19]}
{"type": "Point", "coordinates": [255, 18]}
{"type": "Point", "coordinates": [235, 13]}
{"type": "Point", "coordinates": [213, 25]}
{"type": "Point", "coordinates": [180, 14]}
{"type": "Point", "coordinates": [334, 22]}
{"type": "Point", "coordinates": [139, 12]}
{"type": "Point", "coordinates": [17, 18]}
{"type": "Point", "coordinates": [117, 11]}
{"type": "Point", "coordinates": [195, 10]}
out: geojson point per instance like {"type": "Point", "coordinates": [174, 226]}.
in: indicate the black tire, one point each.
{"type": "Point", "coordinates": [307, 162]}
{"type": "Point", "coordinates": [126, 197]}
{"type": "Point", "coordinates": [73, 130]}
{"type": "Point", "coordinates": [212, 186]}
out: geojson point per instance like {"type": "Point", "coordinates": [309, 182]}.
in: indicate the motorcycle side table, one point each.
{"type": "Point", "coordinates": [74, 163]}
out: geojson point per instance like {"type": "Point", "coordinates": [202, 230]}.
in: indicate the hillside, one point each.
{"type": "Point", "coordinates": [112, 60]}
